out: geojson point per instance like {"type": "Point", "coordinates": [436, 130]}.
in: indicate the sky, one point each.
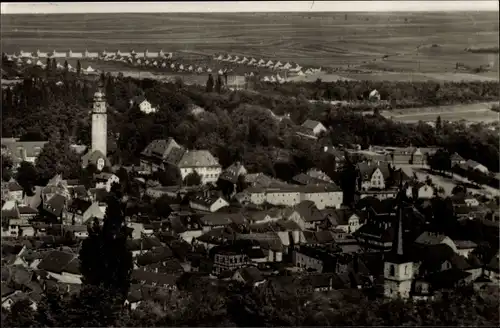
{"type": "Point", "coordinates": [244, 6]}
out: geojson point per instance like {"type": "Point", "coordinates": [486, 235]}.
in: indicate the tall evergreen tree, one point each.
{"type": "Point", "coordinates": [78, 68]}
{"type": "Point", "coordinates": [439, 124]}
{"type": "Point", "coordinates": [210, 83]}
{"type": "Point", "coordinates": [111, 270]}
{"type": "Point", "coordinates": [218, 84]}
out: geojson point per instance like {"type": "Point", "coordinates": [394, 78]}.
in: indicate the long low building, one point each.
{"type": "Point", "coordinates": [322, 195]}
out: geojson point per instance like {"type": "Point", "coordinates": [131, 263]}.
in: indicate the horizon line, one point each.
{"type": "Point", "coordinates": [10, 8]}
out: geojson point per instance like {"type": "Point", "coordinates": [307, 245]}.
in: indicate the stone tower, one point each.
{"type": "Point", "coordinates": [99, 123]}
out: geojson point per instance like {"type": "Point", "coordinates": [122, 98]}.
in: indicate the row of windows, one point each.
{"type": "Point", "coordinates": [230, 260]}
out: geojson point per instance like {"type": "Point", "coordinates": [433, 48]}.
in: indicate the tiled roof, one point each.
{"type": "Point", "coordinates": [464, 244]}
{"type": "Point", "coordinates": [366, 169]}
{"type": "Point", "coordinates": [198, 158]}
{"type": "Point", "coordinates": [232, 173]}
{"type": "Point", "coordinates": [295, 188]}
{"type": "Point", "coordinates": [310, 124]}
{"type": "Point", "coordinates": [55, 205]}
{"type": "Point", "coordinates": [430, 238]}
{"type": "Point", "coordinates": [156, 255]}
{"type": "Point", "coordinates": [160, 149]}
{"type": "Point", "coordinates": [305, 179]}
{"type": "Point", "coordinates": [79, 206]}
{"type": "Point", "coordinates": [14, 186]}
{"type": "Point", "coordinates": [268, 240]}
{"type": "Point", "coordinates": [217, 219]}
{"type": "Point", "coordinates": [251, 274]}
{"type": "Point", "coordinates": [205, 200]}
{"type": "Point", "coordinates": [160, 279]}
{"type": "Point", "coordinates": [27, 210]}
{"type": "Point", "coordinates": [57, 261]}
{"type": "Point", "coordinates": [91, 157]}
{"type": "Point", "coordinates": [309, 212]}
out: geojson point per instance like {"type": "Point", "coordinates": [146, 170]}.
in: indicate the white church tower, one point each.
{"type": "Point", "coordinates": [99, 123]}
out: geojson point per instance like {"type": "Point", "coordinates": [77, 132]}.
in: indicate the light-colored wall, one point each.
{"type": "Point", "coordinates": [401, 271]}
{"type": "Point", "coordinates": [99, 132]}
{"type": "Point", "coordinates": [207, 174]}
{"type": "Point", "coordinates": [306, 262]}
{"type": "Point", "coordinates": [465, 252]}
{"type": "Point", "coordinates": [325, 199]}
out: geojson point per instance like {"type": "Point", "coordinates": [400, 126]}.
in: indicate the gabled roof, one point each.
{"type": "Point", "coordinates": [91, 157]}
{"type": "Point", "coordinates": [156, 255]}
{"type": "Point", "coordinates": [160, 279]}
{"type": "Point", "coordinates": [310, 124]}
{"type": "Point", "coordinates": [430, 238]}
{"type": "Point", "coordinates": [206, 200]}
{"type": "Point", "coordinates": [218, 219]}
{"type": "Point", "coordinates": [55, 205]}
{"type": "Point", "coordinates": [340, 216]}
{"type": "Point", "coordinates": [305, 179]}
{"type": "Point", "coordinates": [251, 274]}
{"type": "Point", "coordinates": [309, 212]}
{"type": "Point", "coordinates": [472, 163]}
{"type": "Point", "coordinates": [79, 206]}
{"type": "Point", "coordinates": [12, 186]}
{"type": "Point", "coordinates": [366, 169]}
{"type": "Point", "coordinates": [161, 148]}
{"type": "Point", "coordinates": [59, 261]}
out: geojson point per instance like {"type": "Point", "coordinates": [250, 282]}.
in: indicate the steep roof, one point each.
{"type": "Point", "coordinates": [91, 157]}
{"type": "Point", "coordinates": [198, 158]}
{"type": "Point", "coordinates": [55, 205]}
{"type": "Point", "coordinates": [59, 261]}
{"type": "Point", "coordinates": [366, 169]}
{"type": "Point", "coordinates": [161, 148]}
{"type": "Point", "coordinates": [310, 124]}
{"type": "Point", "coordinates": [309, 212]}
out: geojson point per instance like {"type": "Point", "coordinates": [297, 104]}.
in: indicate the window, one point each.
{"type": "Point", "coordinates": [392, 271]}
{"type": "Point", "coordinates": [406, 269]}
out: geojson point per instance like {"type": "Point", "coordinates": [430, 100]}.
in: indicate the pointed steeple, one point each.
{"type": "Point", "coordinates": [397, 246]}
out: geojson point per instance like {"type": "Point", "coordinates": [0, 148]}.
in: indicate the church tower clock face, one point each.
{"type": "Point", "coordinates": [100, 164]}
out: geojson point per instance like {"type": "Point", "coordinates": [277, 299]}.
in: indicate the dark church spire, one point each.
{"type": "Point", "coordinates": [397, 246]}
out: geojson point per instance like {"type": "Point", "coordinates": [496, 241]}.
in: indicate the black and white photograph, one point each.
{"type": "Point", "coordinates": [250, 164]}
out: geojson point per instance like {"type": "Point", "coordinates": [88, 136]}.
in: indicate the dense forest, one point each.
{"type": "Point", "coordinates": [235, 125]}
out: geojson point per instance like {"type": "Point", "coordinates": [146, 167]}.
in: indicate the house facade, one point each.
{"type": "Point", "coordinates": [322, 196]}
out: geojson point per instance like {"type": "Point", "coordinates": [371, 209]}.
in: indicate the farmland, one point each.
{"type": "Point", "coordinates": [470, 112]}
{"type": "Point", "coordinates": [358, 46]}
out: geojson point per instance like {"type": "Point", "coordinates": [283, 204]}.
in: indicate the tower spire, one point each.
{"type": "Point", "coordinates": [397, 246]}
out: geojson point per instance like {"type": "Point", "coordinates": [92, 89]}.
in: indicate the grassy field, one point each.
{"type": "Point", "coordinates": [470, 112]}
{"type": "Point", "coordinates": [330, 40]}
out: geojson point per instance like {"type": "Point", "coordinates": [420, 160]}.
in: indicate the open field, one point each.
{"type": "Point", "coordinates": [331, 40]}
{"type": "Point", "coordinates": [470, 112]}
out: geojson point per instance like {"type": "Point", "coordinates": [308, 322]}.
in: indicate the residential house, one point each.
{"type": "Point", "coordinates": [305, 179]}
{"type": "Point", "coordinates": [338, 157]}
{"type": "Point", "coordinates": [12, 191]}
{"type": "Point", "coordinates": [55, 206]}
{"type": "Point", "coordinates": [106, 180]}
{"type": "Point", "coordinates": [473, 165]}
{"type": "Point", "coordinates": [81, 211]}
{"type": "Point", "coordinates": [249, 276]}
{"type": "Point", "coordinates": [378, 194]}
{"type": "Point", "coordinates": [207, 202]}
{"type": "Point", "coordinates": [233, 172]}
{"type": "Point", "coordinates": [11, 296]}
{"type": "Point", "coordinates": [344, 219]}
{"type": "Point", "coordinates": [220, 220]}
{"type": "Point", "coordinates": [203, 163]}
{"type": "Point", "coordinates": [62, 266]}
{"type": "Point", "coordinates": [465, 247]}
{"type": "Point", "coordinates": [456, 159]}
{"type": "Point", "coordinates": [492, 270]}
{"type": "Point", "coordinates": [147, 278]}
{"type": "Point", "coordinates": [322, 195]}
{"type": "Point", "coordinates": [76, 231]}
{"type": "Point", "coordinates": [419, 190]}
{"type": "Point", "coordinates": [428, 238]}
{"type": "Point", "coordinates": [229, 258]}
{"type": "Point", "coordinates": [310, 216]}
{"type": "Point", "coordinates": [311, 129]}
{"type": "Point", "coordinates": [312, 259]}
{"type": "Point", "coordinates": [20, 151]}
{"type": "Point", "coordinates": [270, 243]}
{"type": "Point", "coordinates": [373, 175]}
{"type": "Point", "coordinates": [159, 152]}
{"type": "Point", "coordinates": [143, 104]}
